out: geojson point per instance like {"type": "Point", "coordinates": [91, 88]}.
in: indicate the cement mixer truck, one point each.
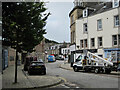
{"type": "Point", "coordinates": [92, 62]}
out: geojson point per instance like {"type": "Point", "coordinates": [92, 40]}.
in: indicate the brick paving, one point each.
{"type": "Point", "coordinates": [26, 81]}
{"type": "Point", "coordinates": [0, 81]}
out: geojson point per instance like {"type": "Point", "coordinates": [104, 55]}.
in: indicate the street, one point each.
{"type": "Point", "coordinates": [81, 79]}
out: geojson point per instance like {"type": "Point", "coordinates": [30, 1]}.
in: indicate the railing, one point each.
{"type": "Point", "coordinates": [98, 59]}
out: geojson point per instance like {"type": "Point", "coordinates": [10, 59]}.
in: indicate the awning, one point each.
{"type": "Point", "coordinates": [112, 49]}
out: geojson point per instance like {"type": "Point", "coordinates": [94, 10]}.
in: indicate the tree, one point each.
{"type": "Point", "coordinates": [23, 26]}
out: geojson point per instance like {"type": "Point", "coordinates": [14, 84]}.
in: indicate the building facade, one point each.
{"type": "Point", "coordinates": [98, 30]}
{"type": "Point", "coordinates": [54, 49]}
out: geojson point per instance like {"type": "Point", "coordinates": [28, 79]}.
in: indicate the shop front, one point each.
{"type": "Point", "coordinates": [114, 53]}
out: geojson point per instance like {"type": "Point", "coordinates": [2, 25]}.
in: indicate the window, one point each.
{"type": "Point", "coordinates": [119, 39]}
{"type": "Point", "coordinates": [99, 24]}
{"type": "Point", "coordinates": [52, 48]}
{"type": "Point", "coordinates": [99, 41]}
{"type": "Point", "coordinates": [116, 19]}
{"type": "Point", "coordinates": [68, 51]}
{"type": "Point", "coordinates": [81, 43]}
{"type": "Point", "coordinates": [85, 12]}
{"type": "Point", "coordinates": [115, 3]}
{"type": "Point", "coordinates": [85, 43]}
{"type": "Point", "coordinates": [92, 42]}
{"type": "Point", "coordinates": [72, 19]}
{"type": "Point", "coordinates": [63, 51]}
{"type": "Point", "coordinates": [114, 40]}
{"type": "Point", "coordinates": [85, 28]}
{"type": "Point", "coordinates": [73, 37]}
{"type": "Point", "coordinates": [11, 58]}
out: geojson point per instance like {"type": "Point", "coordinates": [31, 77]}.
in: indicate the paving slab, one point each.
{"type": "Point", "coordinates": [26, 81]}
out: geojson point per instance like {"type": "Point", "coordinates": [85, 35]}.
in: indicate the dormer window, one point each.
{"type": "Point", "coordinates": [115, 3]}
{"type": "Point", "coordinates": [78, 3]}
{"type": "Point", "coordinates": [85, 13]}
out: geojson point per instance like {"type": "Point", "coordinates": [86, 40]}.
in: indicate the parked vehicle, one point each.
{"type": "Point", "coordinates": [118, 69]}
{"type": "Point", "coordinates": [51, 58]}
{"type": "Point", "coordinates": [59, 58]}
{"type": "Point", "coordinates": [92, 62]}
{"type": "Point", "coordinates": [27, 62]}
{"type": "Point", "coordinates": [37, 67]}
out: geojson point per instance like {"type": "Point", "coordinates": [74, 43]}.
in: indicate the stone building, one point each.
{"type": "Point", "coordinates": [97, 30]}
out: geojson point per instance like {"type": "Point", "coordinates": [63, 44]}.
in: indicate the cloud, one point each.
{"type": "Point", "coordinates": [58, 23]}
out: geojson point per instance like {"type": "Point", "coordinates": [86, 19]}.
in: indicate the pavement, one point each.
{"type": "Point", "coordinates": [26, 81]}
{"type": "Point", "coordinates": [68, 67]}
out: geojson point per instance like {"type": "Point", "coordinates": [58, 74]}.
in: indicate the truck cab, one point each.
{"type": "Point", "coordinates": [80, 61]}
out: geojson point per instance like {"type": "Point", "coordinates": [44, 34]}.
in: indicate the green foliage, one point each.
{"type": "Point", "coordinates": [23, 24]}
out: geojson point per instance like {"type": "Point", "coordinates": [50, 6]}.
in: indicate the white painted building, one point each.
{"type": "Point", "coordinates": [65, 51]}
{"type": "Point", "coordinates": [99, 30]}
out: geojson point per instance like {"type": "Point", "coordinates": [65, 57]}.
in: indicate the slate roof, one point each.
{"type": "Point", "coordinates": [102, 7]}
{"type": "Point", "coordinates": [96, 7]}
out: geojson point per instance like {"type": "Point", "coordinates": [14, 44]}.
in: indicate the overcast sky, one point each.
{"type": "Point", "coordinates": [58, 23]}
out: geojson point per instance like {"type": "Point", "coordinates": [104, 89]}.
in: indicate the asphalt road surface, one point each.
{"type": "Point", "coordinates": [81, 79]}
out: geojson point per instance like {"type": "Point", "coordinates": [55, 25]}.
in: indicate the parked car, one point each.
{"type": "Point", "coordinates": [28, 60]}
{"type": "Point", "coordinates": [37, 67]}
{"type": "Point", "coordinates": [51, 58]}
{"type": "Point", "coordinates": [59, 58]}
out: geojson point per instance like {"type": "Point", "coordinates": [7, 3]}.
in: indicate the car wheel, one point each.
{"type": "Point", "coordinates": [75, 69]}
{"type": "Point", "coordinates": [107, 71]}
{"type": "Point", "coordinates": [44, 73]}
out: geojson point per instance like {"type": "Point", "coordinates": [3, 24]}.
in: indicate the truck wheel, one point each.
{"type": "Point", "coordinates": [75, 69]}
{"type": "Point", "coordinates": [107, 71]}
{"type": "Point", "coordinates": [96, 70]}
{"type": "Point", "coordinates": [86, 70]}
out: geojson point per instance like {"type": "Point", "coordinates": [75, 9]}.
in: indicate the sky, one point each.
{"type": "Point", "coordinates": [58, 23]}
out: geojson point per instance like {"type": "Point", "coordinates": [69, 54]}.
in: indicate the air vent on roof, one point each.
{"type": "Point", "coordinates": [104, 6]}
